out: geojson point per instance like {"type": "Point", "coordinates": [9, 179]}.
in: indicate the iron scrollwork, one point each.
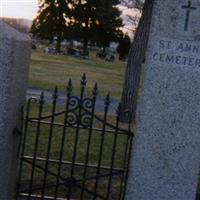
{"type": "Point", "coordinates": [79, 111]}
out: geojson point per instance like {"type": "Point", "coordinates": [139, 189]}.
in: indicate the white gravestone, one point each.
{"type": "Point", "coordinates": [14, 64]}
{"type": "Point", "coordinates": [166, 153]}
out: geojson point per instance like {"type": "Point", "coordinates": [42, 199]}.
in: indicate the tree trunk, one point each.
{"type": "Point", "coordinates": [58, 42]}
{"type": "Point", "coordinates": [59, 35]}
{"type": "Point", "coordinates": [59, 27]}
{"type": "Point", "coordinates": [135, 60]}
{"type": "Point", "coordinates": [85, 46]}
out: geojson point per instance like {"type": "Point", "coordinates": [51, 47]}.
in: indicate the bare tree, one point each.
{"type": "Point", "coordinates": [133, 3]}
{"type": "Point", "coordinates": [133, 21]}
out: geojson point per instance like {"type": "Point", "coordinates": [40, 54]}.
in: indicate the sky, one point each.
{"type": "Point", "coordinates": [27, 9]}
{"type": "Point", "coordinates": [18, 8]}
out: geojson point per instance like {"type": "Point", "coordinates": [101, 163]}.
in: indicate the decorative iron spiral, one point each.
{"type": "Point", "coordinates": [73, 103]}
{"type": "Point", "coordinates": [33, 100]}
{"type": "Point", "coordinates": [72, 118]}
{"type": "Point", "coordinates": [87, 103]}
{"type": "Point", "coordinates": [86, 120]}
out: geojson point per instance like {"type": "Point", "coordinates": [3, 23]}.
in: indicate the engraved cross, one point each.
{"type": "Point", "coordinates": [188, 8]}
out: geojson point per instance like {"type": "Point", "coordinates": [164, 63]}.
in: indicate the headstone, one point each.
{"type": "Point", "coordinates": [166, 153]}
{"type": "Point", "coordinates": [14, 64]}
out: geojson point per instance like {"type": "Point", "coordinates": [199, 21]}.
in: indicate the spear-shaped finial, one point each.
{"type": "Point", "coordinates": [107, 100]}
{"type": "Point", "coordinates": [69, 86]}
{"type": "Point", "coordinates": [95, 90]}
{"type": "Point", "coordinates": [55, 94]}
{"type": "Point", "coordinates": [83, 80]}
{"type": "Point", "coordinates": [41, 101]}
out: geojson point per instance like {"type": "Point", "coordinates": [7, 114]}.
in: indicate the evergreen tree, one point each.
{"type": "Point", "coordinates": [97, 21]}
{"type": "Point", "coordinates": [108, 28]}
{"type": "Point", "coordinates": [51, 20]}
{"type": "Point", "coordinates": [83, 20]}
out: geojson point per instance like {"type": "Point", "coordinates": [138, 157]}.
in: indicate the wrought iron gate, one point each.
{"type": "Point", "coordinates": [72, 152]}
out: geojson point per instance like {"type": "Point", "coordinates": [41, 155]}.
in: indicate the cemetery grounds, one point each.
{"type": "Point", "coordinates": [47, 71]}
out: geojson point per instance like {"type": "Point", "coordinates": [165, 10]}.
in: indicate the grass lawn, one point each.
{"type": "Point", "coordinates": [46, 71]}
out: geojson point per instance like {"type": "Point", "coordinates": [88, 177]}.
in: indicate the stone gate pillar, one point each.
{"type": "Point", "coordinates": [14, 64]}
{"type": "Point", "coordinates": [166, 152]}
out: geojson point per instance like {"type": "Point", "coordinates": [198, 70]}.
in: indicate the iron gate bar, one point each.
{"type": "Point", "coordinates": [41, 103]}
{"type": "Point", "coordinates": [106, 103]}
{"type": "Point", "coordinates": [113, 150]}
{"type": "Point", "coordinates": [39, 196]}
{"type": "Point", "coordinates": [55, 96]}
{"type": "Point", "coordinates": [69, 90]}
{"type": "Point", "coordinates": [120, 131]}
{"type": "Point", "coordinates": [95, 92]}
{"type": "Point", "coordinates": [50, 198]}
{"type": "Point", "coordinates": [83, 84]}
{"type": "Point", "coordinates": [68, 163]}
